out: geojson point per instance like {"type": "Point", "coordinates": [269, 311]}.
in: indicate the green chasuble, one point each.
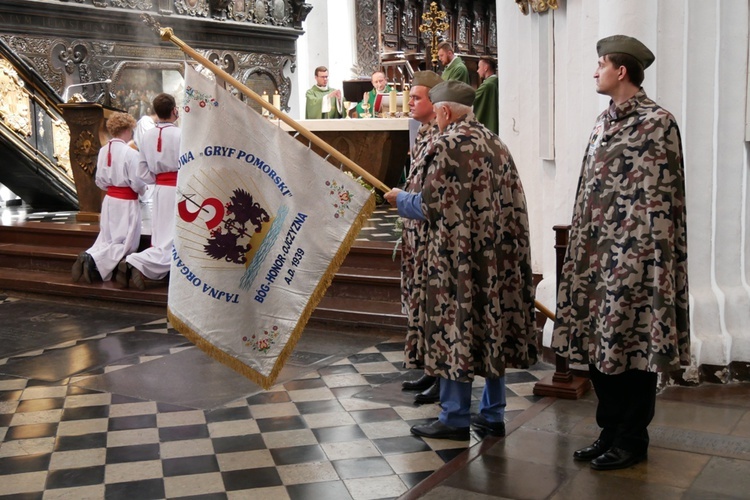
{"type": "Point", "coordinates": [314, 103]}
{"type": "Point", "coordinates": [485, 103]}
{"type": "Point", "coordinates": [456, 70]}
{"type": "Point", "coordinates": [371, 99]}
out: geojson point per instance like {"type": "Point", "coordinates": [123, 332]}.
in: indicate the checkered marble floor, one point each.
{"type": "Point", "coordinates": [381, 226]}
{"type": "Point", "coordinates": [312, 437]}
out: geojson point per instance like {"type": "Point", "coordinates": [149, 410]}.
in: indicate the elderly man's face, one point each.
{"type": "Point", "coordinates": [420, 104]}
{"type": "Point", "coordinates": [442, 114]}
{"type": "Point", "coordinates": [378, 81]}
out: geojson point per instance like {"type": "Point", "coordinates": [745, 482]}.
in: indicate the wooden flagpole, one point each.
{"type": "Point", "coordinates": [167, 35]}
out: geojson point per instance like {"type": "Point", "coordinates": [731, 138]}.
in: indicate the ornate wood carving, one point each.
{"type": "Point", "coordinates": [15, 109]}
{"type": "Point", "coordinates": [51, 37]}
{"type": "Point", "coordinates": [368, 55]}
{"type": "Point", "coordinates": [260, 72]}
{"type": "Point", "coordinates": [472, 29]}
{"type": "Point", "coordinates": [84, 149]}
{"type": "Point", "coordinates": [61, 145]}
{"type": "Point", "coordinates": [462, 42]}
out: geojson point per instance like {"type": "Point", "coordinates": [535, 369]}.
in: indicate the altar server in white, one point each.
{"type": "Point", "coordinates": [159, 162]}
{"type": "Point", "coordinates": [120, 223]}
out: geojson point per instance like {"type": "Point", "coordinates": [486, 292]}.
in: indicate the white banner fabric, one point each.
{"type": "Point", "coordinates": [263, 223]}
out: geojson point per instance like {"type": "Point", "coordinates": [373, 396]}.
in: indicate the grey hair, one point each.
{"type": "Point", "coordinates": [457, 109]}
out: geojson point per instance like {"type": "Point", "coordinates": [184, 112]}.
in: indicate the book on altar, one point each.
{"type": "Point", "coordinates": [383, 102]}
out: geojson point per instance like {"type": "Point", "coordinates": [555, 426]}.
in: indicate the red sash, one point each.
{"type": "Point", "coordinates": [166, 179]}
{"type": "Point", "coordinates": [123, 193]}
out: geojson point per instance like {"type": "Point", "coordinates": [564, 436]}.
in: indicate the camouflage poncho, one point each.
{"type": "Point", "coordinates": [476, 300]}
{"type": "Point", "coordinates": [623, 296]}
{"type": "Point", "coordinates": [415, 231]}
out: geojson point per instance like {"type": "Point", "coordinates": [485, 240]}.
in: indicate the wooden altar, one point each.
{"type": "Point", "coordinates": [378, 145]}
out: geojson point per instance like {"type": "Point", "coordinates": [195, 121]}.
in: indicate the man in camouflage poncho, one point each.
{"type": "Point", "coordinates": [477, 298]}
{"type": "Point", "coordinates": [414, 237]}
{"type": "Point", "coordinates": [622, 302]}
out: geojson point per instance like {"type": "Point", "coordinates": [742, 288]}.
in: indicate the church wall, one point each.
{"type": "Point", "coordinates": [701, 76]}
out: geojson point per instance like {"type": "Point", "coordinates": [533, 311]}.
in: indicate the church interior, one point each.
{"type": "Point", "coordinates": [100, 396]}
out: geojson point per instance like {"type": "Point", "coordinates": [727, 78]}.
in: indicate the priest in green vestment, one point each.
{"type": "Point", "coordinates": [454, 67]}
{"type": "Point", "coordinates": [321, 100]}
{"type": "Point", "coordinates": [380, 85]}
{"type": "Point", "coordinates": [488, 93]}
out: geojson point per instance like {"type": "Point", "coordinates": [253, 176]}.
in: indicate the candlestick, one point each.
{"type": "Point", "coordinates": [366, 105]}
{"type": "Point", "coordinates": [406, 100]}
{"type": "Point", "coordinates": [392, 102]}
{"type": "Point", "coordinates": [277, 100]}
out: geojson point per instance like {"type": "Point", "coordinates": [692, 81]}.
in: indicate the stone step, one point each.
{"type": "Point", "coordinates": [60, 284]}
{"type": "Point", "coordinates": [37, 258]}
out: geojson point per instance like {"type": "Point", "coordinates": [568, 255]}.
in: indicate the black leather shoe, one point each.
{"type": "Point", "coordinates": [77, 271]}
{"type": "Point", "coordinates": [422, 383]}
{"type": "Point", "coordinates": [137, 278]}
{"type": "Point", "coordinates": [438, 430]}
{"type": "Point", "coordinates": [617, 458]}
{"type": "Point", "coordinates": [486, 427]}
{"type": "Point", "coordinates": [429, 395]}
{"type": "Point", "coordinates": [123, 273]}
{"type": "Point", "coordinates": [596, 449]}
{"type": "Point", "coordinates": [90, 272]}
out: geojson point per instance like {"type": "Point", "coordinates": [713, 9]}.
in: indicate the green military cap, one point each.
{"type": "Point", "coordinates": [426, 79]}
{"type": "Point", "coordinates": [453, 91]}
{"type": "Point", "coordinates": [625, 45]}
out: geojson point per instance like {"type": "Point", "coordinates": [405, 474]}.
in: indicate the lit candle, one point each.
{"type": "Point", "coordinates": [277, 100]}
{"type": "Point", "coordinates": [265, 98]}
{"type": "Point", "coordinates": [392, 101]}
{"type": "Point", "coordinates": [406, 99]}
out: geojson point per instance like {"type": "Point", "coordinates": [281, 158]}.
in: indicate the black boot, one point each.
{"type": "Point", "coordinates": [429, 395]}
{"type": "Point", "coordinates": [422, 383]}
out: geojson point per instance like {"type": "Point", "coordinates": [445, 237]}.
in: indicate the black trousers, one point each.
{"type": "Point", "coordinates": [626, 407]}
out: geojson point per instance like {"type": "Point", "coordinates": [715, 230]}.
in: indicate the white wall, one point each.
{"type": "Point", "coordinates": [329, 40]}
{"type": "Point", "coordinates": [701, 76]}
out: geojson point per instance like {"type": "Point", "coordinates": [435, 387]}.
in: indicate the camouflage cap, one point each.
{"type": "Point", "coordinates": [625, 45]}
{"type": "Point", "coordinates": [453, 91]}
{"type": "Point", "coordinates": [426, 79]}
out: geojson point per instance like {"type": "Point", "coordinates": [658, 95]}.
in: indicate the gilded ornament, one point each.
{"type": "Point", "coordinates": [85, 148]}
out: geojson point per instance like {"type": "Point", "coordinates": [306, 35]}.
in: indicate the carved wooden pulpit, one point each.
{"type": "Point", "coordinates": [88, 133]}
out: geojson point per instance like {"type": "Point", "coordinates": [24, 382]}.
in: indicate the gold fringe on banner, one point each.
{"type": "Point", "coordinates": [266, 382]}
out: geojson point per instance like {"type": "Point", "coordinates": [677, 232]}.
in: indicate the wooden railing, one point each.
{"type": "Point", "coordinates": [562, 384]}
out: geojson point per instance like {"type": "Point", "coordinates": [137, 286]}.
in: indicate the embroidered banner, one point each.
{"type": "Point", "coordinates": [263, 223]}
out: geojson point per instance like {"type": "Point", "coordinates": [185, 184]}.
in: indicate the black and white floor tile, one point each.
{"type": "Point", "coordinates": [340, 430]}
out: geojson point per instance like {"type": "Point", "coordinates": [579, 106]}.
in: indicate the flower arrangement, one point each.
{"type": "Point", "coordinates": [379, 200]}
{"type": "Point", "coordinates": [399, 231]}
